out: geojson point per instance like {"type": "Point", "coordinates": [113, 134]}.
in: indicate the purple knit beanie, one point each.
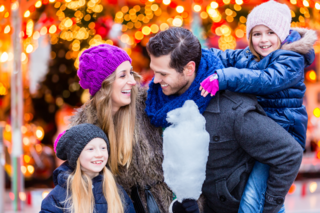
{"type": "Point", "coordinates": [272, 14]}
{"type": "Point", "coordinates": [97, 63]}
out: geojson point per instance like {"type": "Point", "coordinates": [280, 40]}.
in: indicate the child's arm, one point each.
{"type": "Point", "coordinates": [51, 204]}
{"type": "Point", "coordinates": [284, 72]}
{"type": "Point", "coordinates": [227, 57]}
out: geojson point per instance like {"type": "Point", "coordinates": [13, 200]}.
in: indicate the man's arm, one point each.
{"type": "Point", "coordinates": [269, 143]}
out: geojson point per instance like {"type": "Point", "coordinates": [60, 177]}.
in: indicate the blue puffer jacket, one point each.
{"type": "Point", "coordinates": [277, 80]}
{"type": "Point", "coordinates": [54, 200]}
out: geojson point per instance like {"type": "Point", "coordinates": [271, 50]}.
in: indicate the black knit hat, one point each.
{"type": "Point", "coordinates": [73, 141]}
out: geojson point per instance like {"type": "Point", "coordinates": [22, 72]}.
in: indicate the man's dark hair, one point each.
{"type": "Point", "coordinates": [180, 43]}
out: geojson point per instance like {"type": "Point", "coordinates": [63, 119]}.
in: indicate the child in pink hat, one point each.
{"type": "Point", "coordinates": [271, 67]}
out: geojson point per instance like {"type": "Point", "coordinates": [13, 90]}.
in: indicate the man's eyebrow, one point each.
{"type": "Point", "coordinates": [157, 71]}
{"type": "Point", "coordinates": [161, 72]}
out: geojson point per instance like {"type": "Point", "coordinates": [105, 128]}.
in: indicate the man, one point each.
{"type": "Point", "coordinates": [239, 129]}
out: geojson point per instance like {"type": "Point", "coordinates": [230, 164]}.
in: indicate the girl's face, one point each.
{"type": "Point", "coordinates": [264, 40]}
{"type": "Point", "coordinates": [94, 157]}
{"type": "Point", "coordinates": [121, 87]}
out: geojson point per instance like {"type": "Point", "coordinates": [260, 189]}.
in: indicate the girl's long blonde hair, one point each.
{"type": "Point", "coordinates": [79, 192]}
{"type": "Point", "coordinates": [253, 51]}
{"type": "Point", "coordinates": [119, 127]}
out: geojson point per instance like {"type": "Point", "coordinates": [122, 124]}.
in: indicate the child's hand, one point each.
{"type": "Point", "coordinates": [204, 93]}
{"type": "Point", "coordinates": [209, 85]}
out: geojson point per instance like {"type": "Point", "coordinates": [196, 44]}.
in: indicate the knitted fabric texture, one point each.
{"type": "Point", "coordinates": [73, 141]}
{"type": "Point", "coordinates": [159, 104]}
{"type": "Point", "coordinates": [272, 14]}
{"type": "Point", "coordinates": [97, 63]}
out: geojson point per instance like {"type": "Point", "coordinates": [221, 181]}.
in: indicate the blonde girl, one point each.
{"type": "Point", "coordinates": [83, 183]}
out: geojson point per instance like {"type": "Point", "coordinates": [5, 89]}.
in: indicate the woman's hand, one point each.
{"type": "Point", "coordinates": [209, 85]}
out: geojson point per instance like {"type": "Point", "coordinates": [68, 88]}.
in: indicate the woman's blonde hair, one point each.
{"type": "Point", "coordinates": [80, 196]}
{"type": "Point", "coordinates": [253, 51]}
{"type": "Point", "coordinates": [118, 127]}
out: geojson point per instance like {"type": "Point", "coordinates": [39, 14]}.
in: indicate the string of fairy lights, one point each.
{"type": "Point", "coordinates": [135, 22]}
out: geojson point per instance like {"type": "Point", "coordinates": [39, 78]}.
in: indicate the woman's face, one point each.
{"type": "Point", "coordinates": [264, 40]}
{"type": "Point", "coordinates": [121, 87]}
{"type": "Point", "coordinates": [94, 157]}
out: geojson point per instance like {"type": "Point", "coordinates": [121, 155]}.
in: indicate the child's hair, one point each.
{"type": "Point", "coordinates": [79, 192]}
{"type": "Point", "coordinates": [253, 51]}
{"type": "Point", "coordinates": [118, 127]}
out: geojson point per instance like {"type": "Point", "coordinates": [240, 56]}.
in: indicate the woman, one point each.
{"type": "Point", "coordinates": [136, 146]}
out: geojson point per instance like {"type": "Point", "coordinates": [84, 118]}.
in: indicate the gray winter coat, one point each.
{"type": "Point", "coordinates": [240, 132]}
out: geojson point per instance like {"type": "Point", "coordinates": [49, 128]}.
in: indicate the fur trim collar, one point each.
{"type": "Point", "coordinates": [305, 44]}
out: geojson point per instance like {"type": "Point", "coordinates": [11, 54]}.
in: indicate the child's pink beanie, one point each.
{"type": "Point", "coordinates": [272, 14]}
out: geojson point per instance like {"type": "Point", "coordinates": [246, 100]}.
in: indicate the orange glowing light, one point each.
{"type": "Point", "coordinates": [214, 5]}
{"type": "Point", "coordinates": [26, 158]}
{"type": "Point", "coordinates": [138, 35]}
{"type": "Point", "coordinates": [293, 1]}
{"type": "Point", "coordinates": [3, 90]}
{"type": "Point", "coordinates": [22, 196]}
{"type": "Point", "coordinates": [43, 30]}
{"type": "Point", "coordinates": [44, 194]}
{"type": "Point", "coordinates": [311, 75]}
{"type": "Point", "coordinates": [313, 187]}
{"type": "Point", "coordinates": [197, 8]}
{"type": "Point", "coordinates": [180, 9]}
{"type": "Point", "coordinates": [316, 112]}
{"type": "Point", "coordinates": [7, 29]}
{"type": "Point", "coordinates": [30, 169]}
{"type": "Point", "coordinates": [166, 2]}
{"type": "Point", "coordinates": [23, 169]}
{"type": "Point", "coordinates": [292, 189]}
{"type": "Point", "coordinates": [38, 4]}
{"type": "Point", "coordinates": [40, 133]}
{"type": "Point", "coordinates": [27, 14]}
{"type": "Point", "coordinates": [52, 29]}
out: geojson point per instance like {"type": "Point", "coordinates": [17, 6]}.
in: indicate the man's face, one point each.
{"type": "Point", "coordinates": [171, 81]}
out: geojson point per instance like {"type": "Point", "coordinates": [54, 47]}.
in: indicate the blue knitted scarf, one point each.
{"type": "Point", "coordinates": [159, 104]}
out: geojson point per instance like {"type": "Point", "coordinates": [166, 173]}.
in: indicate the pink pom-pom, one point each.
{"type": "Point", "coordinates": [56, 141]}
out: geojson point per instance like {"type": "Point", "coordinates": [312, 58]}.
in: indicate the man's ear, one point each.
{"type": "Point", "coordinates": [190, 68]}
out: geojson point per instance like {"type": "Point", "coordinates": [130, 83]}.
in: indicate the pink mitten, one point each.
{"type": "Point", "coordinates": [211, 84]}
